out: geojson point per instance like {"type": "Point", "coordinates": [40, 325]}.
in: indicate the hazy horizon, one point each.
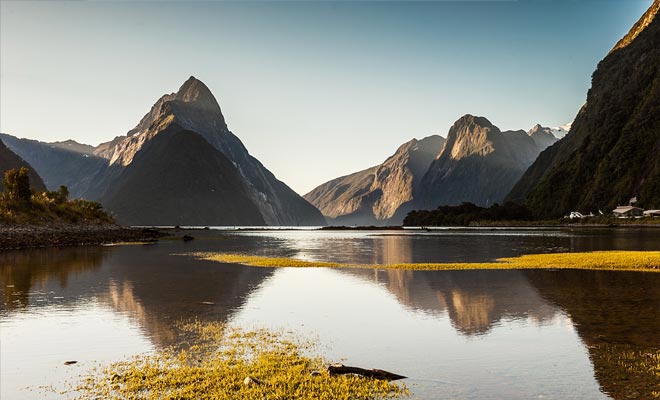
{"type": "Point", "coordinates": [338, 86]}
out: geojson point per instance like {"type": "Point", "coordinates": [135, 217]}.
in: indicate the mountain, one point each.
{"type": "Point", "coordinates": [61, 163]}
{"type": "Point", "coordinates": [478, 164]}
{"type": "Point", "coordinates": [178, 178]}
{"type": "Point", "coordinates": [543, 137]}
{"type": "Point", "coordinates": [9, 160]}
{"type": "Point", "coordinates": [194, 110]}
{"type": "Point", "coordinates": [611, 152]}
{"type": "Point", "coordinates": [561, 131]}
{"type": "Point", "coordinates": [381, 194]}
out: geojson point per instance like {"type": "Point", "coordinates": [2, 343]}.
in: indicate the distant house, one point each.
{"type": "Point", "coordinates": [652, 213]}
{"type": "Point", "coordinates": [627, 212]}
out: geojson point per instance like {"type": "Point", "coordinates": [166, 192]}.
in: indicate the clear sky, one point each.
{"type": "Point", "coordinates": [314, 90]}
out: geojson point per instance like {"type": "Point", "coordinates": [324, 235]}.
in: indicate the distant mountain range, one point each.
{"type": "Point", "coordinates": [477, 163]}
{"type": "Point", "coordinates": [179, 165]}
{"type": "Point", "coordinates": [182, 165]}
{"type": "Point", "coordinates": [10, 160]}
{"type": "Point", "coordinates": [381, 194]}
{"type": "Point", "coordinates": [611, 153]}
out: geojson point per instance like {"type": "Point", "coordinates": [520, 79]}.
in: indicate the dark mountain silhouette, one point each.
{"type": "Point", "coordinates": [60, 163]}
{"type": "Point", "coordinates": [611, 152]}
{"type": "Point", "coordinates": [10, 160]}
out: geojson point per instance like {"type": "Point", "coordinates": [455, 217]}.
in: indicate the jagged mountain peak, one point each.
{"type": "Point", "coordinates": [195, 92]}
{"type": "Point", "coordinates": [470, 121]}
{"type": "Point", "coordinates": [536, 128]}
{"type": "Point", "coordinates": [470, 135]}
{"type": "Point", "coordinates": [539, 130]}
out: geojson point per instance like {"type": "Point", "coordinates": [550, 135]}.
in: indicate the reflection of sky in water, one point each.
{"type": "Point", "coordinates": [464, 334]}
{"type": "Point", "coordinates": [444, 245]}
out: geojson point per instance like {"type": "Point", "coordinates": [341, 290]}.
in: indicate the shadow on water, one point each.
{"type": "Point", "coordinates": [23, 272]}
{"type": "Point", "coordinates": [617, 315]}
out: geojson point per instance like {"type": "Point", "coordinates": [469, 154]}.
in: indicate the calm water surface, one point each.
{"type": "Point", "coordinates": [456, 334]}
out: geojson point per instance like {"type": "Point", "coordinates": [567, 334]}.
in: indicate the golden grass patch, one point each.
{"type": "Point", "coordinates": [646, 261]}
{"type": "Point", "coordinates": [223, 363]}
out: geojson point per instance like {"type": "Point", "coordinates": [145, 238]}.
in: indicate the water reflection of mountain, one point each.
{"type": "Point", "coordinates": [160, 290]}
{"type": "Point", "coordinates": [23, 272]}
{"type": "Point", "coordinates": [474, 300]}
{"type": "Point", "coordinates": [144, 282]}
{"type": "Point", "coordinates": [617, 315]}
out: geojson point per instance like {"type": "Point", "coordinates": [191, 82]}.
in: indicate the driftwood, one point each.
{"type": "Point", "coordinates": [341, 369]}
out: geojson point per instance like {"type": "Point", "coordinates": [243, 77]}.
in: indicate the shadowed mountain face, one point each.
{"type": "Point", "coordinates": [611, 151]}
{"type": "Point", "coordinates": [478, 164]}
{"type": "Point", "coordinates": [9, 160]}
{"type": "Point", "coordinates": [195, 184]}
{"type": "Point", "coordinates": [194, 109]}
{"type": "Point", "coordinates": [61, 163]}
{"type": "Point", "coordinates": [379, 195]}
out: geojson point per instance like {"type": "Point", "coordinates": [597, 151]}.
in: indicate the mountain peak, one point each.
{"type": "Point", "coordinates": [196, 93]}
{"type": "Point", "coordinates": [472, 120]}
{"type": "Point", "coordinates": [535, 129]}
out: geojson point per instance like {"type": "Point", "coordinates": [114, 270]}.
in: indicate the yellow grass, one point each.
{"type": "Point", "coordinates": [646, 261]}
{"type": "Point", "coordinates": [217, 364]}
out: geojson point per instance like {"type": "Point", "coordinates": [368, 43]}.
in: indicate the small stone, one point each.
{"type": "Point", "coordinates": [250, 380]}
{"type": "Point", "coordinates": [70, 362]}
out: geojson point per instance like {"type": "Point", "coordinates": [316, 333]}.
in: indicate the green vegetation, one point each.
{"type": "Point", "coordinates": [224, 363]}
{"type": "Point", "coordinates": [19, 204]}
{"type": "Point", "coordinates": [509, 214]}
{"type": "Point", "coordinates": [467, 214]}
{"type": "Point", "coordinates": [610, 154]}
{"type": "Point", "coordinates": [644, 261]}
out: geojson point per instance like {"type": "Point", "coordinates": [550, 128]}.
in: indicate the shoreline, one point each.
{"type": "Point", "coordinates": [17, 237]}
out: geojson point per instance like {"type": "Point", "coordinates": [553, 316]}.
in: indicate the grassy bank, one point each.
{"type": "Point", "coordinates": [646, 261]}
{"type": "Point", "coordinates": [222, 363]}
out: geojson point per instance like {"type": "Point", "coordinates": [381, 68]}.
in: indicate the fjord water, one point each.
{"type": "Point", "coordinates": [456, 334]}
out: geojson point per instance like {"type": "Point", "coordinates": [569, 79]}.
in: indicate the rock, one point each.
{"type": "Point", "coordinates": [70, 362]}
{"type": "Point", "coordinates": [187, 238]}
{"type": "Point", "coordinates": [250, 380]}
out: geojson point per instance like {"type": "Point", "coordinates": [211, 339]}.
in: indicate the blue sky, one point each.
{"type": "Point", "coordinates": [314, 89]}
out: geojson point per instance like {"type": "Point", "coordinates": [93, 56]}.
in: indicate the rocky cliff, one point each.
{"type": "Point", "coordinates": [611, 152]}
{"type": "Point", "coordinates": [381, 194]}
{"type": "Point", "coordinates": [478, 164]}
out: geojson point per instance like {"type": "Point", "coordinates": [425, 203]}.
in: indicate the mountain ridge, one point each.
{"type": "Point", "coordinates": [610, 153]}
{"type": "Point", "coordinates": [381, 194]}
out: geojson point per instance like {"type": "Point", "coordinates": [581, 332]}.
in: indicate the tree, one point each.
{"type": "Point", "coordinates": [63, 193]}
{"type": "Point", "coordinates": [17, 185]}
